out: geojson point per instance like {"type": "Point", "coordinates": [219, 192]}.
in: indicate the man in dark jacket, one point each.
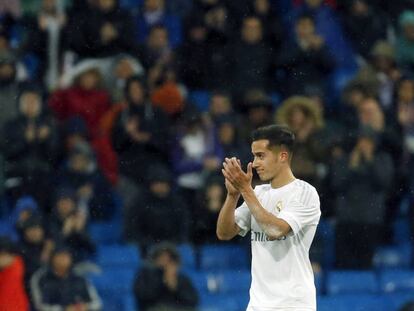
{"type": "Point", "coordinates": [160, 287]}
{"type": "Point", "coordinates": [30, 144]}
{"type": "Point", "coordinates": [58, 287]}
{"type": "Point", "coordinates": [306, 60]}
{"type": "Point", "coordinates": [361, 181]}
{"type": "Point", "coordinates": [161, 214]}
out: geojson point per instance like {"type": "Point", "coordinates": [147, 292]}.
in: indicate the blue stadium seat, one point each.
{"type": "Point", "coordinates": [397, 300]}
{"type": "Point", "coordinates": [114, 282]}
{"type": "Point", "coordinates": [200, 98]}
{"type": "Point", "coordinates": [223, 282]}
{"type": "Point", "coordinates": [393, 256]}
{"type": "Point", "coordinates": [126, 256]}
{"type": "Point", "coordinates": [326, 233]}
{"type": "Point", "coordinates": [6, 229]}
{"type": "Point", "coordinates": [223, 257]}
{"type": "Point", "coordinates": [188, 257]}
{"type": "Point", "coordinates": [392, 281]}
{"type": "Point", "coordinates": [128, 303]}
{"type": "Point", "coordinates": [218, 303]}
{"type": "Point", "coordinates": [105, 232]}
{"type": "Point", "coordinates": [356, 302]}
{"type": "Point", "coordinates": [351, 282]}
{"type": "Point", "coordinates": [319, 283]}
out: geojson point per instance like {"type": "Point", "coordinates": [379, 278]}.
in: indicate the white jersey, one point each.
{"type": "Point", "coordinates": [282, 276]}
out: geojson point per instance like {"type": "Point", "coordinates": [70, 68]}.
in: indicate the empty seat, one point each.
{"type": "Point", "coordinates": [354, 302]}
{"type": "Point", "coordinates": [114, 282]}
{"type": "Point", "coordinates": [105, 232]}
{"type": "Point", "coordinates": [223, 282]}
{"type": "Point", "coordinates": [351, 282]}
{"type": "Point", "coordinates": [219, 303]}
{"type": "Point", "coordinates": [392, 281]}
{"type": "Point", "coordinates": [223, 257]}
{"type": "Point", "coordinates": [126, 256]}
{"type": "Point", "coordinates": [201, 99]}
{"type": "Point", "coordinates": [393, 256]}
{"type": "Point", "coordinates": [397, 300]}
{"type": "Point", "coordinates": [128, 303]}
{"type": "Point", "coordinates": [188, 257]}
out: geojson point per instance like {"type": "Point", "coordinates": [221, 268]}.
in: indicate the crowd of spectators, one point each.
{"type": "Point", "coordinates": [97, 119]}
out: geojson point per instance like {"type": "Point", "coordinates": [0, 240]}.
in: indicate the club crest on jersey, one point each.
{"type": "Point", "coordinates": [279, 206]}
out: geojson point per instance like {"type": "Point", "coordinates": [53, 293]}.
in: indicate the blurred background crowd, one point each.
{"type": "Point", "coordinates": [116, 115]}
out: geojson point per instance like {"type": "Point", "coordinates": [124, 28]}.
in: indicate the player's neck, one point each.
{"type": "Point", "coordinates": [285, 177]}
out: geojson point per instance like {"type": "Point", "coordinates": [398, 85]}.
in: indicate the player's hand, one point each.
{"type": "Point", "coordinates": [231, 190]}
{"type": "Point", "coordinates": [235, 175]}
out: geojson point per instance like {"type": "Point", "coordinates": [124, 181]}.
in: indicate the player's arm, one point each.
{"type": "Point", "coordinates": [226, 223]}
{"type": "Point", "coordinates": [271, 225]}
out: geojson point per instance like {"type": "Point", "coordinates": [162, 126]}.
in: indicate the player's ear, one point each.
{"type": "Point", "coordinates": [284, 156]}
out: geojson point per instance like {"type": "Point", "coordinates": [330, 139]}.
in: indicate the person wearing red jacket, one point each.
{"type": "Point", "coordinates": [84, 98]}
{"type": "Point", "coordinates": [13, 295]}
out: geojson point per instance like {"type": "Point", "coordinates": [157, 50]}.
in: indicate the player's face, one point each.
{"type": "Point", "coordinates": [268, 162]}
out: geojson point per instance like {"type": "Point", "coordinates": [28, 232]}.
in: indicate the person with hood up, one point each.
{"type": "Point", "coordinates": [84, 97]}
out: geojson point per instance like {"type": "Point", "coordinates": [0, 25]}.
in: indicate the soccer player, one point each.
{"type": "Point", "coordinates": [282, 216]}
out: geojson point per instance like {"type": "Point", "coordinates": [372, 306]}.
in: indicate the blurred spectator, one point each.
{"type": "Point", "coordinates": [160, 286]}
{"type": "Point", "coordinates": [34, 246]}
{"type": "Point", "coordinates": [405, 118]}
{"type": "Point", "coordinates": [371, 115]}
{"type": "Point", "coordinates": [119, 70]}
{"type": "Point", "coordinates": [85, 98]}
{"type": "Point", "coordinates": [352, 96]}
{"type": "Point", "coordinates": [251, 58]}
{"type": "Point", "coordinates": [305, 60]}
{"type": "Point", "coordinates": [154, 13]}
{"type": "Point", "coordinates": [10, 7]}
{"type": "Point", "coordinates": [140, 135]}
{"type": "Point", "coordinates": [30, 146]}
{"type": "Point", "coordinates": [94, 193]}
{"type": "Point", "coordinates": [361, 180]}
{"type": "Point", "coordinates": [67, 225]}
{"type": "Point", "coordinates": [208, 205]}
{"type": "Point", "coordinates": [362, 15]}
{"type": "Point", "coordinates": [381, 73]}
{"type": "Point", "coordinates": [405, 42]}
{"type": "Point", "coordinates": [328, 27]}
{"type": "Point", "coordinates": [156, 51]}
{"type": "Point", "coordinates": [259, 111]}
{"type": "Point", "coordinates": [409, 306]}
{"type": "Point", "coordinates": [163, 204]}
{"type": "Point", "coordinates": [193, 56]}
{"type": "Point", "coordinates": [305, 119]}
{"type": "Point", "coordinates": [25, 208]}
{"type": "Point", "coordinates": [219, 22]}
{"type": "Point", "coordinates": [166, 92]}
{"type": "Point", "coordinates": [46, 39]}
{"type": "Point", "coordinates": [220, 105]}
{"type": "Point", "coordinates": [103, 30]}
{"type": "Point", "coordinates": [196, 153]}
{"type": "Point", "coordinates": [57, 287]}
{"type": "Point", "coordinates": [273, 32]}
{"type": "Point", "coordinates": [12, 292]}
{"type": "Point", "coordinates": [230, 140]}
{"type": "Point", "coordinates": [9, 89]}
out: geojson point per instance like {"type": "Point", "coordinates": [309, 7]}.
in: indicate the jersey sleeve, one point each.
{"type": "Point", "coordinates": [243, 218]}
{"type": "Point", "coordinates": [302, 212]}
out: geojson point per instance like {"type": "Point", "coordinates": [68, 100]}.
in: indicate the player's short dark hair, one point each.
{"type": "Point", "coordinates": [277, 135]}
